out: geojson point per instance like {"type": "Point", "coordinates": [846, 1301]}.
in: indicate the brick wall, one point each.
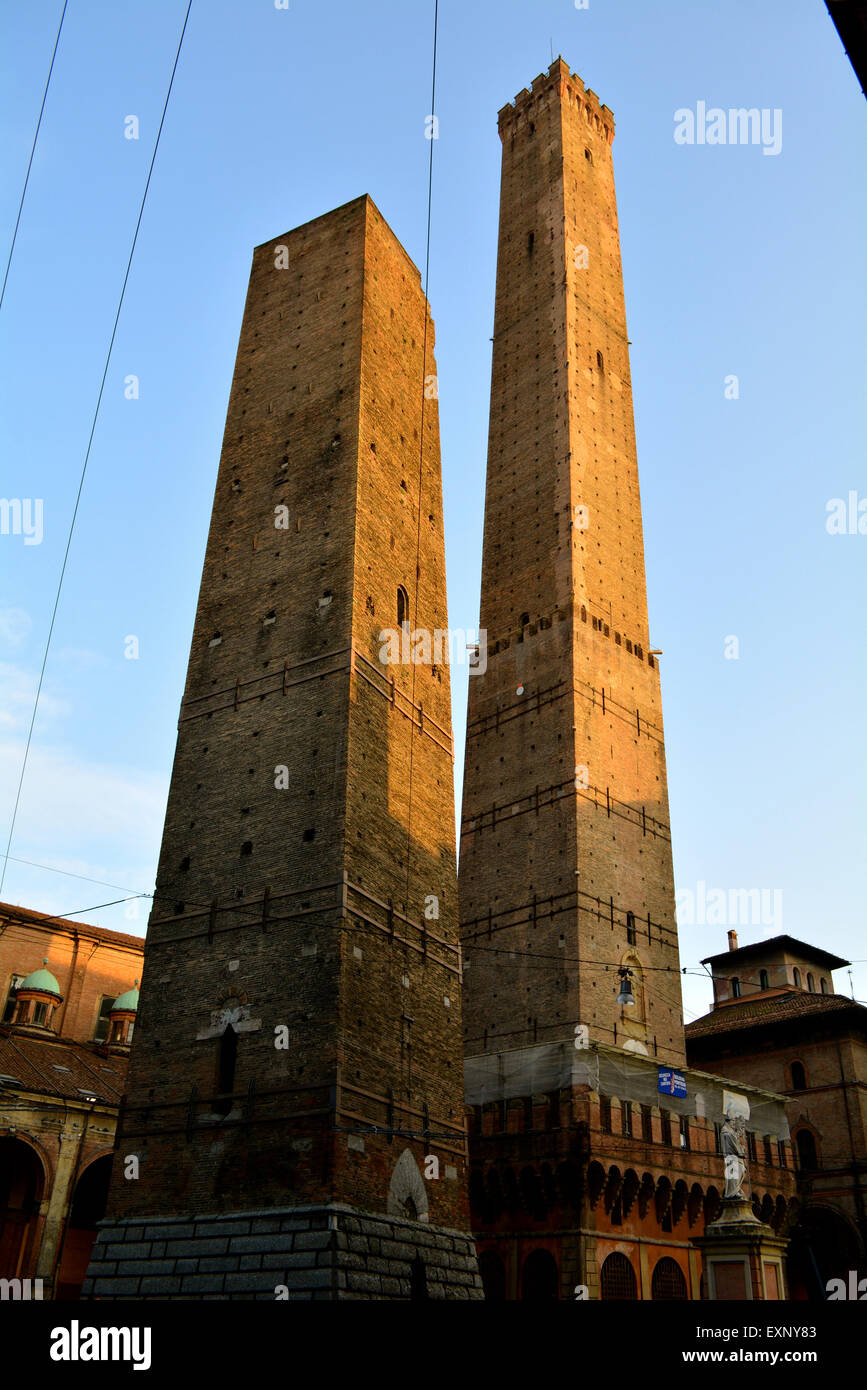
{"type": "Point", "coordinates": [553, 863]}
{"type": "Point", "coordinates": [89, 964]}
{"type": "Point", "coordinates": [304, 906]}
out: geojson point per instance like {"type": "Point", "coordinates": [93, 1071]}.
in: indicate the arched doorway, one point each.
{"type": "Point", "coordinates": [617, 1278]}
{"type": "Point", "coordinates": [22, 1181]}
{"type": "Point", "coordinates": [540, 1281]}
{"type": "Point", "coordinates": [823, 1246]}
{"type": "Point", "coordinates": [493, 1273]}
{"type": "Point", "coordinates": [88, 1207]}
{"type": "Point", "coordinates": [668, 1283]}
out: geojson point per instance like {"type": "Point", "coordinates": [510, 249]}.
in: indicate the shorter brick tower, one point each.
{"type": "Point", "coordinates": [295, 1124]}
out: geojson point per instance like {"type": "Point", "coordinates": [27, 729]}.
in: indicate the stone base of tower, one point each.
{"type": "Point", "coordinates": [317, 1252]}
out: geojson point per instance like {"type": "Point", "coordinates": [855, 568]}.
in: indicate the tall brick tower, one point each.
{"type": "Point", "coordinates": [565, 848]}
{"type": "Point", "coordinates": [595, 1152]}
{"type": "Point", "coordinates": [295, 1113]}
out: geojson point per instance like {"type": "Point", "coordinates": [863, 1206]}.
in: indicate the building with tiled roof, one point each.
{"type": "Point", "coordinates": [63, 1057]}
{"type": "Point", "coordinates": [778, 1023]}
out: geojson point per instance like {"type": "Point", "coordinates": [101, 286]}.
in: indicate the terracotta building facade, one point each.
{"type": "Point", "coordinates": [778, 1022]}
{"type": "Point", "coordinates": [63, 1056]}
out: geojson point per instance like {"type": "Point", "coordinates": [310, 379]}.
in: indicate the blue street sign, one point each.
{"type": "Point", "coordinates": [671, 1083]}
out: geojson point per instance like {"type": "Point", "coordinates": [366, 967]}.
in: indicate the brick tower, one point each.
{"type": "Point", "coordinates": [582, 1173]}
{"type": "Point", "coordinates": [565, 848]}
{"type": "Point", "coordinates": [294, 1109]}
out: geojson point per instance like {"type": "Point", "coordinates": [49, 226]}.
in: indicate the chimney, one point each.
{"type": "Point", "coordinates": [733, 941]}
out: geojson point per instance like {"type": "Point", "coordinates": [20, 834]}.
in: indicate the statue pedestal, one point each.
{"type": "Point", "coordinates": [743, 1258]}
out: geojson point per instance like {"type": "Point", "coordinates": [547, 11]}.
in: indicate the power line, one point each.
{"type": "Point", "coordinates": [89, 447]}
{"type": "Point", "coordinates": [32, 152]}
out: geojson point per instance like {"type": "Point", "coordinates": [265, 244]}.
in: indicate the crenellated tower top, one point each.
{"type": "Point", "coordinates": [559, 78]}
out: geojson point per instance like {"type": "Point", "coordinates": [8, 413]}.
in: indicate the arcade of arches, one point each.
{"type": "Point", "coordinates": [36, 1242]}
{"type": "Point", "coordinates": [642, 1245]}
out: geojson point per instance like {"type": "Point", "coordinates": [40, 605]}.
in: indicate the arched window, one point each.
{"type": "Point", "coordinates": [797, 977]}
{"type": "Point", "coordinates": [539, 1278]}
{"type": "Point", "coordinates": [617, 1278]}
{"type": "Point", "coordinates": [763, 980]}
{"type": "Point", "coordinates": [736, 987]}
{"type": "Point", "coordinates": [402, 608]}
{"type": "Point", "coordinates": [823, 985]}
{"type": "Point", "coordinates": [811, 983]}
{"type": "Point", "coordinates": [493, 1273]}
{"type": "Point", "coordinates": [600, 361]}
{"type": "Point", "coordinates": [808, 1159]}
{"type": "Point", "coordinates": [226, 1060]}
{"type": "Point", "coordinates": [668, 1283]}
{"type": "Point", "coordinates": [630, 928]}
{"type": "Point", "coordinates": [799, 1076]}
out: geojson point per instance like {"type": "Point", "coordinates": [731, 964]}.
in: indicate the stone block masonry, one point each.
{"type": "Point", "coordinates": [299, 1253]}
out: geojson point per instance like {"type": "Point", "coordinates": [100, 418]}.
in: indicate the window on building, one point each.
{"type": "Point", "coordinates": [40, 1012]}
{"type": "Point", "coordinates": [717, 1130]}
{"type": "Point", "coordinates": [646, 1124]}
{"type": "Point", "coordinates": [811, 983]}
{"type": "Point", "coordinates": [751, 1146]}
{"type": "Point", "coordinates": [600, 361]}
{"type": "Point", "coordinates": [630, 928]}
{"type": "Point", "coordinates": [823, 985]}
{"type": "Point", "coordinates": [227, 1057]}
{"type": "Point", "coordinates": [736, 987]}
{"type": "Point", "coordinates": [766, 1146]}
{"type": "Point", "coordinates": [626, 1117]}
{"type": "Point", "coordinates": [797, 977]}
{"type": "Point", "coordinates": [11, 998]}
{"type": "Point", "coordinates": [668, 1283]}
{"type": "Point", "coordinates": [617, 1278]}
{"type": "Point", "coordinates": [763, 980]}
{"type": "Point", "coordinates": [798, 1073]}
{"type": "Point", "coordinates": [105, 1007]}
{"type": "Point", "coordinates": [605, 1114]}
{"type": "Point", "coordinates": [781, 1153]}
{"type": "Point", "coordinates": [684, 1131]}
{"type": "Point", "coordinates": [666, 1126]}
{"type": "Point", "coordinates": [402, 608]}
{"type": "Point", "coordinates": [808, 1159]}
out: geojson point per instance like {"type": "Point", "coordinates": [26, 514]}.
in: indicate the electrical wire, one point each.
{"type": "Point", "coordinates": [87, 452]}
{"type": "Point", "coordinates": [32, 152]}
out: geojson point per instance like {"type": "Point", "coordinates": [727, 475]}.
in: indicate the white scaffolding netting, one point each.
{"type": "Point", "coordinates": [611, 1071]}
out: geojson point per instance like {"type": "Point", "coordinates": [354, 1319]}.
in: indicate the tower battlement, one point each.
{"type": "Point", "coordinates": [558, 79]}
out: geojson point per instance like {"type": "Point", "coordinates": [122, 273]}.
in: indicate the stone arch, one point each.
{"type": "Point", "coordinates": [22, 1187]}
{"type": "Point", "coordinates": [86, 1208]}
{"type": "Point", "coordinates": [540, 1278]}
{"type": "Point", "coordinates": [407, 1196]}
{"type": "Point", "coordinates": [824, 1244]}
{"type": "Point", "coordinates": [617, 1278]}
{"type": "Point", "coordinates": [668, 1283]}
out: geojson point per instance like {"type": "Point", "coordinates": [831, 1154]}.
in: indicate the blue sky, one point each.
{"type": "Point", "coordinates": [735, 262]}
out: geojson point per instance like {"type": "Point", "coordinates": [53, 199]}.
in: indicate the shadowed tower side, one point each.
{"type": "Point", "coordinates": [295, 1092]}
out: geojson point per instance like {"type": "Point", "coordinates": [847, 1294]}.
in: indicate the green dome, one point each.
{"type": "Point", "coordinates": [128, 1001]}
{"type": "Point", "coordinates": [41, 979]}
